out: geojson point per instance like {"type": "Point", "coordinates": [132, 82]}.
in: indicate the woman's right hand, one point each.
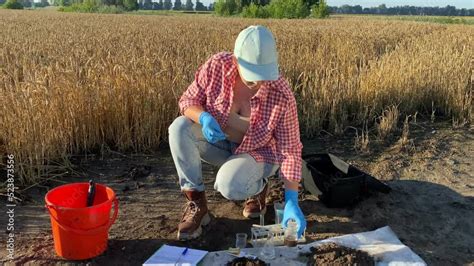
{"type": "Point", "coordinates": [210, 128]}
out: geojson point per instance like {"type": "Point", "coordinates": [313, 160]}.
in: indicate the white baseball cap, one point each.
{"type": "Point", "coordinates": [256, 53]}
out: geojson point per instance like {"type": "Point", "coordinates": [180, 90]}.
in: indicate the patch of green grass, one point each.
{"type": "Point", "coordinates": [431, 19]}
{"type": "Point", "coordinates": [82, 8]}
{"type": "Point", "coordinates": [442, 20]}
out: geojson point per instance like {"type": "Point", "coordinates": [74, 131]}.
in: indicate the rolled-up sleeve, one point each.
{"type": "Point", "coordinates": [195, 94]}
{"type": "Point", "coordinates": [289, 146]}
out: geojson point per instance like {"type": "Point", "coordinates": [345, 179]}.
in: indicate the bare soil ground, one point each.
{"type": "Point", "coordinates": [431, 207]}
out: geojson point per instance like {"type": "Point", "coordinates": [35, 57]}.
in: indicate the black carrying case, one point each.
{"type": "Point", "coordinates": [341, 184]}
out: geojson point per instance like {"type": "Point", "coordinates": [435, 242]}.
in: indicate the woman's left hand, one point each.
{"type": "Point", "coordinates": [293, 211]}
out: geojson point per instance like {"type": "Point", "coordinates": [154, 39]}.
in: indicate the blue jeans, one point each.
{"type": "Point", "coordinates": [239, 176]}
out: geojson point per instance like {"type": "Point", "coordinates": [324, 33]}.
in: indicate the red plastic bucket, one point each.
{"type": "Point", "coordinates": [80, 232]}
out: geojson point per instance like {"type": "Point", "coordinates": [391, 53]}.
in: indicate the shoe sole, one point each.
{"type": "Point", "coordinates": [253, 215]}
{"type": "Point", "coordinates": [188, 236]}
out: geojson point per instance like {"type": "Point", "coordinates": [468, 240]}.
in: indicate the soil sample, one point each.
{"type": "Point", "coordinates": [290, 242]}
{"type": "Point", "coordinates": [333, 254]}
{"type": "Point", "coordinates": [243, 261]}
{"type": "Point", "coordinates": [290, 239]}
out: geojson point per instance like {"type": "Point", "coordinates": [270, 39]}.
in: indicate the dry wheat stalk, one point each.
{"type": "Point", "coordinates": [73, 82]}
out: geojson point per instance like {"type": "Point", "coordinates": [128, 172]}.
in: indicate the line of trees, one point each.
{"type": "Point", "coordinates": [20, 4]}
{"type": "Point", "coordinates": [272, 8]}
{"type": "Point", "coordinates": [403, 10]}
{"type": "Point", "coordinates": [177, 5]}
{"type": "Point", "coordinates": [91, 5]}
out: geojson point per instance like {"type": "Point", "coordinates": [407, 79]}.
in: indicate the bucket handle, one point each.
{"type": "Point", "coordinates": [94, 231]}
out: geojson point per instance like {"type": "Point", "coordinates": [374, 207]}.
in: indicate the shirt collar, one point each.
{"type": "Point", "coordinates": [232, 70]}
{"type": "Point", "coordinates": [261, 93]}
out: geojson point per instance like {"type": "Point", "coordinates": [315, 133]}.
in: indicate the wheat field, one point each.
{"type": "Point", "coordinates": [73, 83]}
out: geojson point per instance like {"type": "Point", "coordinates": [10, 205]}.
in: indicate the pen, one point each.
{"type": "Point", "coordinates": [180, 256]}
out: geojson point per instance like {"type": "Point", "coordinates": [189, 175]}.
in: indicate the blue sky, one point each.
{"type": "Point", "coordinates": [370, 3]}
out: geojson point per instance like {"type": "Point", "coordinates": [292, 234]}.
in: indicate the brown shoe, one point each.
{"type": "Point", "coordinates": [256, 204]}
{"type": "Point", "coordinates": [195, 215]}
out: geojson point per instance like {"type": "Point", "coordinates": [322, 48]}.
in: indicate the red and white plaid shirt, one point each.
{"type": "Point", "coordinates": [273, 135]}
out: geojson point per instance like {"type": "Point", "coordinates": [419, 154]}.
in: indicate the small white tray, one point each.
{"type": "Point", "coordinates": [260, 234]}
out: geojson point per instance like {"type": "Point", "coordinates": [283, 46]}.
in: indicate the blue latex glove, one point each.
{"type": "Point", "coordinates": [293, 211]}
{"type": "Point", "coordinates": [210, 128]}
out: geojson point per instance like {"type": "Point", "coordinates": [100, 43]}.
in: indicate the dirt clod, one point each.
{"type": "Point", "coordinates": [246, 262]}
{"type": "Point", "coordinates": [334, 254]}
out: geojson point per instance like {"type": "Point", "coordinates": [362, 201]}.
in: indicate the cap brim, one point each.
{"type": "Point", "coordinates": [251, 72]}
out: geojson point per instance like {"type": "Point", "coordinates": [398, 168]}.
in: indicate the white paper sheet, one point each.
{"type": "Point", "coordinates": [171, 255]}
{"type": "Point", "coordinates": [382, 244]}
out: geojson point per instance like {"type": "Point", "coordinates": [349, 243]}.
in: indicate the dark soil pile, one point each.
{"type": "Point", "coordinates": [246, 262]}
{"type": "Point", "coordinates": [334, 254]}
